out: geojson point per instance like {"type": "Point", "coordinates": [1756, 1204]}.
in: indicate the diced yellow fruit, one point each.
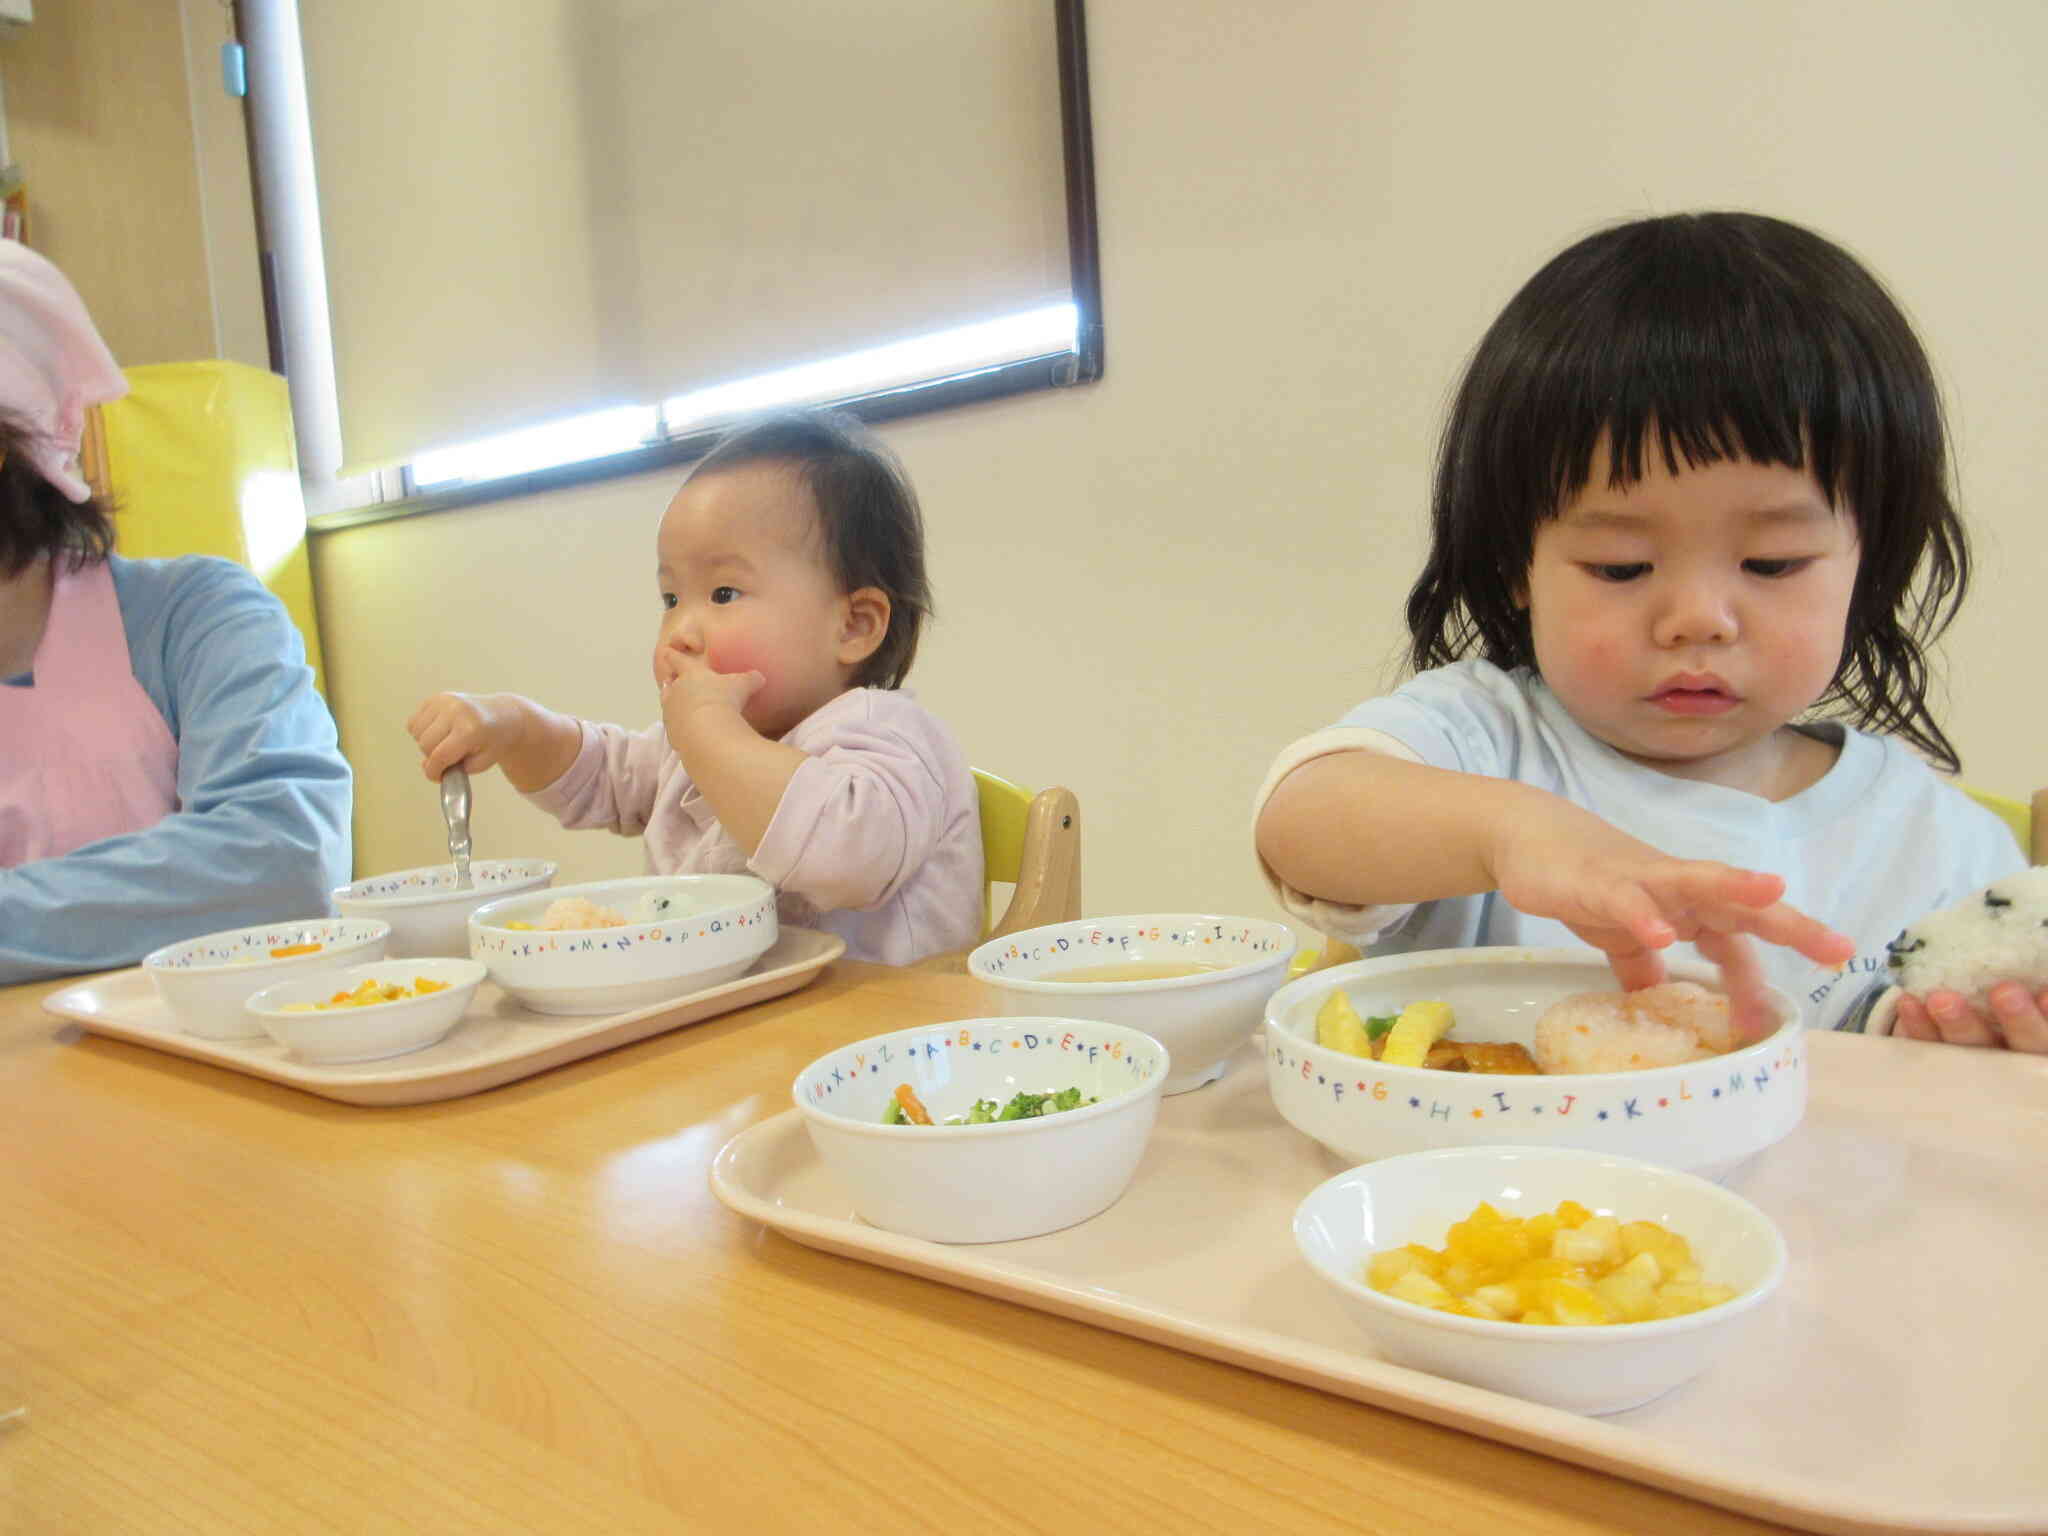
{"type": "Point", "coordinates": [1594, 1242]}
{"type": "Point", "coordinates": [1571, 1214]}
{"type": "Point", "coordinates": [1645, 1268]}
{"type": "Point", "coordinates": [1419, 1027]}
{"type": "Point", "coordinates": [1472, 1306]}
{"type": "Point", "coordinates": [1574, 1305]}
{"type": "Point", "coordinates": [1339, 1028]}
{"type": "Point", "coordinates": [1629, 1297]}
{"type": "Point", "coordinates": [1420, 1289]}
{"type": "Point", "coordinates": [1540, 1230]}
{"type": "Point", "coordinates": [1503, 1300]}
{"type": "Point", "coordinates": [1428, 1260]}
{"type": "Point", "coordinates": [1383, 1269]}
{"type": "Point", "coordinates": [1672, 1251]}
{"type": "Point", "coordinates": [1675, 1298]}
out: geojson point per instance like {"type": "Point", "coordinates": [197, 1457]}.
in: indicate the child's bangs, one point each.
{"type": "Point", "coordinates": [1695, 390]}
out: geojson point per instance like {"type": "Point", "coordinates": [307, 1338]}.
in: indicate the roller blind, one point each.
{"type": "Point", "coordinates": [535, 208]}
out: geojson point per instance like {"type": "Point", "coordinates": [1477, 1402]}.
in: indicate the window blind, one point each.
{"type": "Point", "coordinates": [535, 208]}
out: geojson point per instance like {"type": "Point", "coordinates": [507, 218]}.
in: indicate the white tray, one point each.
{"type": "Point", "coordinates": [498, 1041]}
{"type": "Point", "coordinates": [1897, 1383]}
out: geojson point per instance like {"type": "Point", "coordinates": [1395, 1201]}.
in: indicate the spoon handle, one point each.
{"type": "Point", "coordinates": [455, 807]}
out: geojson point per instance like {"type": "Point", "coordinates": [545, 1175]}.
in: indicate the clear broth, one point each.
{"type": "Point", "coordinates": [1135, 970]}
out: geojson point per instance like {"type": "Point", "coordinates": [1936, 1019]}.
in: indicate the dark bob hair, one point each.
{"type": "Point", "coordinates": [37, 520]}
{"type": "Point", "coordinates": [1718, 335]}
{"type": "Point", "coordinates": [867, 516]}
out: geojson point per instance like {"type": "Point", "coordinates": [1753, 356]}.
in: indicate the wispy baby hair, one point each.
{"type": "Point", "coordinates": [1714, 336]}
{"type": "Point", "coordinates": [867, 516]}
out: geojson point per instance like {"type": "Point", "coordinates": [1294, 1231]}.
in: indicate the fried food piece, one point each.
{"type": "Point", "coordinates": [1492, 1056]}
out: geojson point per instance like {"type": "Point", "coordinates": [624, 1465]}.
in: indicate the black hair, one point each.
{"type": "Point", "coordinates": [1723, 335]}
{"type": "Point", "coordinates": [37, 519]}
{"type": "Point", "coordinates": [867, 516]}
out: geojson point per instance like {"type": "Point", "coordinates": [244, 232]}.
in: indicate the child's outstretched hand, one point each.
{"type": "Point", "coordinates": [2017, 1020]}
{"type": "Point", "coordinates": [1631, 900]}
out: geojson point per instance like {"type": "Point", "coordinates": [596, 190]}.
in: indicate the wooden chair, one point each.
{"type": "Point", "coordinates": [1033, 844]}
{"type": "Point", "coordinates": [2029, 823]}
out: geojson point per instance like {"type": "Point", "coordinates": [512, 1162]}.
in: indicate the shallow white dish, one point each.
{"type": "Point", "coordinates": [1705, 1117]}
{"type": "Point", "coordinates": [1200, 1018]}
{"type": "Point", "coordinates": [993, 1182]}
{"type": "Point", "coordinates": [715, 926]}
{"type": "Point", "coordinates": [205, 981]}
{"type": "Point", "coordinates": [1416, 1198]}
{"type": "Point", "coordinates": [375, 1030]}
{"type": "Point", "coordinates": [427, 914]}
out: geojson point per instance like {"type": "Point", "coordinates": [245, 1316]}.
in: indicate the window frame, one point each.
{"type": "Point", "coordinates": [1057, 370]}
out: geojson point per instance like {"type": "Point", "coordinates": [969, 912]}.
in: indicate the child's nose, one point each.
{"type": "Point", "coordinates": [1696, 613]}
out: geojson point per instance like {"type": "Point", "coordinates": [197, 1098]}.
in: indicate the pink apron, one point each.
{"type": "Point", "coordinates": [83, 752]}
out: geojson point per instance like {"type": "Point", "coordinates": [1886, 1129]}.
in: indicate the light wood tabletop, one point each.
{"type": "Point", "coordinates": [229, 1305]}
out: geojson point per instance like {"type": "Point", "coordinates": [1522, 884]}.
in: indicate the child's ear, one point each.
{"type": "Point", "coordinates": [866, 625]}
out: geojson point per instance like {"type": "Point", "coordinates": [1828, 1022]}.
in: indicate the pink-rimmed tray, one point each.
{"type": "Point", "coordinates": [1897, 1383]}
{"type": "Point", "coordinates": [497, 1041]}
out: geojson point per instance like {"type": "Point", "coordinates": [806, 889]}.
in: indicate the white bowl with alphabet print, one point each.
{"type": "Point", "coordinates": [995, 1181]}
{"type": "Point", "coordinates": [205, 981]}
{"type": "Point", "coordinates": [1704, 1117]}
{"type": "Point", "coordinates": [681, 933]}
{"type": "Point", "coordinates": [1196, 981]}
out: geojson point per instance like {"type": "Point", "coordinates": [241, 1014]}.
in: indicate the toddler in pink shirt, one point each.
{"type": "Point", "coordinates": [791, 571]}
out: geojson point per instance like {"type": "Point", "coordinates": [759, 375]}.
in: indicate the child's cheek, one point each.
{"type": "Point", "coordinates": [731, 656]}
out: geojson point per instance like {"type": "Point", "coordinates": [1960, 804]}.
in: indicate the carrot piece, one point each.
{"type": "Point", "coordinates": [913, 1110]}
{"type": "Point", "coordinates": [287, 951]}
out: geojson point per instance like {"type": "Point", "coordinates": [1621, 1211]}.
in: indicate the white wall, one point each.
{"type": "Point", "coordinates": [1309, 212]}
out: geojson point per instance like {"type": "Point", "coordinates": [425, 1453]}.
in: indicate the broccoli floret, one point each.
{"type": "Point", "coordinates": [1023, 1106]}
{"type": "Point", "coordinates": [893, 1115]}
{"type": "Point", "coordinates": [983, 1113]}
{"type": "Point", "coordinates": [1066, 1098]}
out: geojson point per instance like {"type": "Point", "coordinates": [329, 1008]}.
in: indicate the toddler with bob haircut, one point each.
{"type": "Point", "coordinates": [1691, 535]}
{"type": "Point", "coordinates": [791, 572]}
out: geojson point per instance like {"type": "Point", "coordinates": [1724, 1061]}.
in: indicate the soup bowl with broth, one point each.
{"type": "Point", "coordinates": [1195, 981]}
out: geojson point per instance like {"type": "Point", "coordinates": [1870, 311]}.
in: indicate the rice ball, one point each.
{"type": "Point", "coordinates": [1998, 934]}
{"type": "Point", "coordinates": [1661, 1026]}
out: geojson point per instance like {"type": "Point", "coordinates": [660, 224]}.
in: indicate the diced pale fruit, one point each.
{"type": "Point", "coordinates": [1417, 1287]}
{"type": "Point", "coordinates": [1503, 1300]}
{"type": "Point", "coordinates": [1339, 1028]}
{"type": "Point", "coordinates": [1566, 1267]}
{"type": "Point", "coordinates": [1419, 1027]}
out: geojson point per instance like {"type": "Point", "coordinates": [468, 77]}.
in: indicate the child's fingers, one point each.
{"type": "Point", "coordinates": [2022, 1017]}
{"type": "Point", "coordinates": [1793, 929]}
{"type": "Point", "coordinates": [1910, 1021]}
{"type": "Point", "coordinates": [1750, 1011]}
{"type": "Point", "coordinates": [1956, 1022]}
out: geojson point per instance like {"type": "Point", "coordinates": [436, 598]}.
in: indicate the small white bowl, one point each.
{"type": "Point", "coordinates": [427, 914]}
{"type": "Point", "coordinates": [205, 981]}
{"type": "Point", "coordinates": [985, 1183]}
{"type": "Point", "coordinates": [1705, 1117]}
{"type": "Point", "coordinates": [715, 927]}
{"type": "Point", "coordinates": [1201, 1018]}
{"type": "Point", "coordinates": [1416, 1198]}
{"type": "Point", "coordinates": [375, 1030]}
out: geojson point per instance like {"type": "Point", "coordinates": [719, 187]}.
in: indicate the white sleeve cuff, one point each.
{"type": "Point", "coordinates": [1357, 926]}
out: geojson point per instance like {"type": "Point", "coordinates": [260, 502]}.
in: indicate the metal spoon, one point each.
{"type": "Point", "coordinates": [455, 807]}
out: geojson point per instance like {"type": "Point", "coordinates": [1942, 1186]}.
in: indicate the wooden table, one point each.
{"type": "Point", "coordinates": [230, 1306]}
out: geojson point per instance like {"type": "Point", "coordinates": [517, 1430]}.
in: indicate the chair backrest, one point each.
{"type": "Point", "coordinates": [2029, 823]}
{"type": "Point", "coordinates": [1031, 842]}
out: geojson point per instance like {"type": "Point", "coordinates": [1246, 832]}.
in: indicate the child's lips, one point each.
{"type": "Point", "coordinates": [1690, 695]}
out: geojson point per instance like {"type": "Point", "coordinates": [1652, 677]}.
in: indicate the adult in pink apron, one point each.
{"type": "Point", "coordinates": [86, 754]}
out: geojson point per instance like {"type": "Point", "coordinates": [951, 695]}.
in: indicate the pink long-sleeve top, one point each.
{"type": "Point", "coordinates": [877, 838]}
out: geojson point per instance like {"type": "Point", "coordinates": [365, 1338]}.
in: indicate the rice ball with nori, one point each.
{"type": "Point", "coordinates": [1998, 934]}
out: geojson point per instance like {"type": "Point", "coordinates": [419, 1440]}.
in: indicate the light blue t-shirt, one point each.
{"type": "Point", "coordinates": [261, 832]}
{"type": "Point", "coordinates": [1876, 843]}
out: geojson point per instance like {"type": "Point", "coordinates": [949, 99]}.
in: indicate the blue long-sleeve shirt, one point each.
{"type": "Point", "coordinates": [262, 831]}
